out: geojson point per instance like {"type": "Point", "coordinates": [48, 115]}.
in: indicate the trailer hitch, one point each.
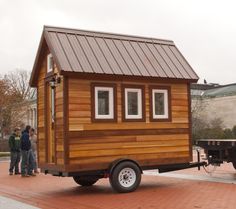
{"type": "Point", "coordinates": [175, 167]}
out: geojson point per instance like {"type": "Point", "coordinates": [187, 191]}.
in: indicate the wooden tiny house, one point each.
{"type": "Point", "coordinates": [107, 98]}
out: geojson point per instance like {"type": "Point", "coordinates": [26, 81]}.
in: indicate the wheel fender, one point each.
{"type": "Point", "coordinates": [118, 161]}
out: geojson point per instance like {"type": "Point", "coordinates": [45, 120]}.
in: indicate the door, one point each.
{"type": "Point", "coordinates": [50, 123]}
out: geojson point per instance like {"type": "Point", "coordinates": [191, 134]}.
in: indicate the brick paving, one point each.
{"type": "Point", "coordinates": [155, 192]}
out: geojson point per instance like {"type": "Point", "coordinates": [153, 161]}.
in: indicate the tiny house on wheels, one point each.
{"type": "Point", "coordinates": [110, 105]}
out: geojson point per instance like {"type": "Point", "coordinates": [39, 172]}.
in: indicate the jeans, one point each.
{"type": "Point", "coordinates": [15, 160]}
{"type": "Point", "coordinates": [26, 162]}
{"type": "Point", "coordinates": [32, 161]}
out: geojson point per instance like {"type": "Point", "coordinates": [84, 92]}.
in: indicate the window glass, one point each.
{"type": "Point", "coordinates": [159, 104]}
{"type": "Point", "coordinates": [103, 102]}
{"type": "Point", "coordinates": [132, 103]}
{"type": "Point", "coordinates": [49, 63]}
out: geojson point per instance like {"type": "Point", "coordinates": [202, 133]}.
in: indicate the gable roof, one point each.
{"type": "Point", "coordinates": [81, 51]}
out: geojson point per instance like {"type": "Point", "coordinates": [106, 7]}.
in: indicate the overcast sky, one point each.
{"type": "Point", "coordinates": [203, 30]}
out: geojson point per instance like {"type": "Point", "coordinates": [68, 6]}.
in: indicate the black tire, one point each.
{"type": "Point", "coordinates": [234, 165]}
{"type": "Point", "coordinates": [125, 177]}
{"type": "Point", "coordinates": [85, 181]}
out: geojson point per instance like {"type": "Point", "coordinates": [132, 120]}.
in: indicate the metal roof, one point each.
{"type": "Point", "coordinates": [227, 90]}
{"type": "Point", "coordinates": [115, 54]}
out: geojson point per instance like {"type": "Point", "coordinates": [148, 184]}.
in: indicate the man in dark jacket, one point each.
{"type": "Point", "coordinates": [14, 145]}
{"type": "Point", "coordinates": [25, 152]}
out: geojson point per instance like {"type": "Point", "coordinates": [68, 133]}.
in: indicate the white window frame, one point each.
{"type": "Point", "coordinates": [49, 57]}
{"type": "Point", "coordinates": [166, 104]}
{"type": "Point", "coordinates": [111, 102]}
{"type": "Point", "coordinates": [140, 108]}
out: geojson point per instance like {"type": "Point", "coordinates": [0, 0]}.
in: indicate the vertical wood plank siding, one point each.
{"type": "Point", "coordinates": [59, 120]}
{"type": "Point", "coordinates": [41, 111]}
{"type": "Point", "coordinates": [41, 117]}
{"type": "Point", "coordinates": [65, 119]}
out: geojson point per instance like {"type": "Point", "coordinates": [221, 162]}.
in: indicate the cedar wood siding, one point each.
{"type": "Point", "coordinates": [59, 123]}
{"type": "Point", "coordinates": [85, 57]}
{"type": "Point", "coordinates": [41, 117]}
{"type": "Point", "coordinates": [41, 110]}
{"type": "Point", "coordinates": [95, 145]}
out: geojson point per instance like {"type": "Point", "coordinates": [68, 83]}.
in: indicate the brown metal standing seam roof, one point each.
{"type": "Point", "coordinates": [114, 54]}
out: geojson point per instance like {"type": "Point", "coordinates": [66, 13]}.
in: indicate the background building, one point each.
{"type": "Point", "coordinates": [31, 115]}
{"type": "Point", "coordinates": [212, 101]}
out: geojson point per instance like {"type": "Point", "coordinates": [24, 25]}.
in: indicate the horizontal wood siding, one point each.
{"type": "Point", "coordinates": [95, 145]}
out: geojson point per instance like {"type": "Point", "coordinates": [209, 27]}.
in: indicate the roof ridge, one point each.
{"type": "Point", "coordinates": [111, 34]}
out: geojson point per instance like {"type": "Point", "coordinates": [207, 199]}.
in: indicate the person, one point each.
{"type": "Point", "coordinates": [14, 145]}
{"type": "Point", "coordinates": [26, 161]}
{"type": "Point", "coordinates": [33, 151]}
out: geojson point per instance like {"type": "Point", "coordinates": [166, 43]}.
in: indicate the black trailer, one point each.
{"type": "Point", "coordinates": [219, 150]}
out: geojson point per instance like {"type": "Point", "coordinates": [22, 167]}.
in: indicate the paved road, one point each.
{"type": "Point", "coordinates": [4, 159]}
{"type": "Point", "coordinates": [7, 203]}
{"type": "Point", "coordinates": [167, 191]}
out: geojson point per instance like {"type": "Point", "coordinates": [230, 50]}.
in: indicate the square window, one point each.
{"type": "Point", "coordinates": [104, 103]}
{"type": "Point", "coordinates": [160, 109]}
{"type": "Point", "coordinates": [133, 99]}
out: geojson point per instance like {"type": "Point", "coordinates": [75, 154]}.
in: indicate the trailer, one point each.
{"type": "Point", "coordinates": [218, 151]}
{"type": "Point", "coordinates": [111, 105]}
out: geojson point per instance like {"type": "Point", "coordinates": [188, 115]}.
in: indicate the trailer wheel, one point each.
{"type": "Point", "coordinates": [125, 177]}
{"type": "Point", "coordinates": [85, 181]}
{"type": "Point", "coordinates": [234, 164]}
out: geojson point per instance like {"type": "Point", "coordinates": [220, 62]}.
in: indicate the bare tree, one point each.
{"type": "Point", "coordinates": [198, 106]}
{"type": "Point", "coordinates": [3, 89]}
{"type": "Point", "coordinates": [8, 99]}
{"type": "Point", "coordinates": [15, 96]}
{"type": "Point", "coordinates": [199, 123]}
{"type": "Point", "coordinates": [18, 81]}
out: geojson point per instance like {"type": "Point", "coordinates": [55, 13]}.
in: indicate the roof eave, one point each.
{"type": "Point", "coordinates": [32, 81]}
{"type": "Point", "coordinates": [51, 49]}
{"type": "Point", "coordinates": [44, 37]}
{"type": "Point", "coordinates": [89, 76]}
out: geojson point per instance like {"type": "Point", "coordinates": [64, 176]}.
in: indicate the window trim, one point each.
{"type": "Point", "coordinates": [94, 115]}
{"type": "Point", "coordinates": [153, 117]}
{"type": "Point", "coordinates": [141, 101]}
{"type": "Point", "coordinates": [49, 56]}
{"type": "Point", "coordinates": [110, 114]}
{"type": "Point", "coordinates": [139, 93]}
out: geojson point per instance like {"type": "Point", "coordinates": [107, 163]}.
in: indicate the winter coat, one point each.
{"type": "Point", "coordinates": [25, 141]}
{"type": "Point", "coordinates": [14, 143]}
